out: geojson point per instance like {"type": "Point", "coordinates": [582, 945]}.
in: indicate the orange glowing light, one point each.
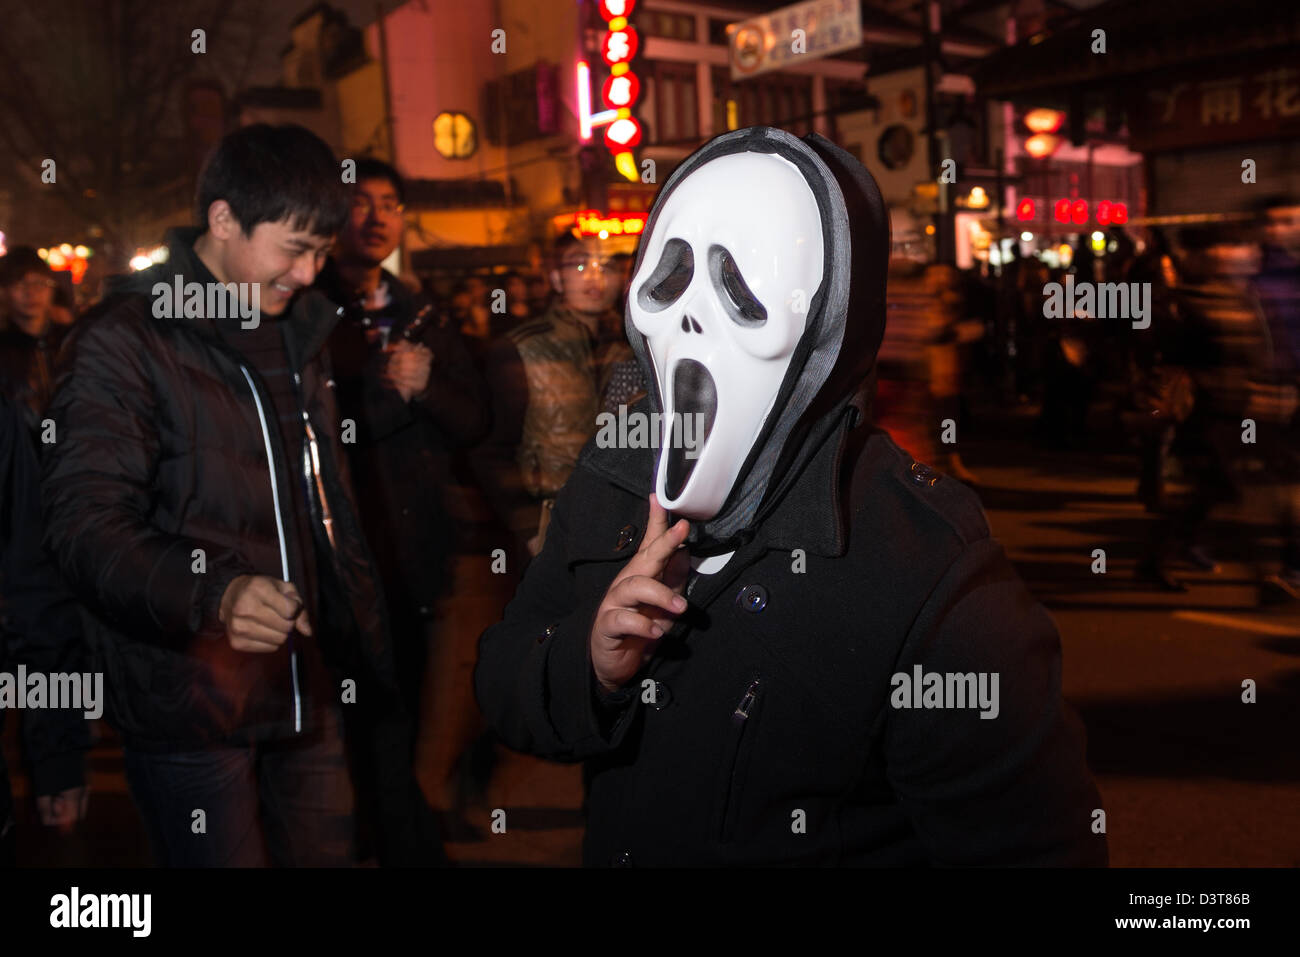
{"type": "Point", "coordinates": [1044, 121]}
{"type": "Point", "coordinates": [1042, 144]}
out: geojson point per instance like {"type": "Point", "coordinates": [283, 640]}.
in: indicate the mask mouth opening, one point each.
{"type": "Point", "coordinates": [695, 406]}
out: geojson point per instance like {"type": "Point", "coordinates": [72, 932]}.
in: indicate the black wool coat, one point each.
{"type": "Point", "coordinates": [762, 731]}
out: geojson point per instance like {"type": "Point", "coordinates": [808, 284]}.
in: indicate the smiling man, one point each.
{"type": "Point", "coordinates": [199, 504]}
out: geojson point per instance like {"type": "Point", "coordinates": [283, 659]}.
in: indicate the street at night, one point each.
{"type": "Point", "coordinates": [523, 438]}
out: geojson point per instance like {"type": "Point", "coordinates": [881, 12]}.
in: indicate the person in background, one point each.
{"type": "Point", "coordinates": [40, 628]}
{"type": "Point", "coordinates": [544, 382]}
{"type": "Point", "coordinates": [29, 337]}
{"type": "Point", "coordinates": [621, 381]}
{"type": "Point", "coordinates": [1222, 342]}
{"type": "Point", "coordinates": [1278, 289]}
{"type": "Point", "coordinates": [405, 376]}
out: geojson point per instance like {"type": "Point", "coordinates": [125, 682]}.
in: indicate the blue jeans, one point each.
{"type": "Point", "coordinates": [284, 803]}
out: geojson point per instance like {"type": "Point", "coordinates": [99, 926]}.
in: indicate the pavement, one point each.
{"type": "Point", "coordinates": [1190, 774]}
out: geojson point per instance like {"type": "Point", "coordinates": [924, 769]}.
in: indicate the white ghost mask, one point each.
{"type": "Point", "coordinates": [722, 296]}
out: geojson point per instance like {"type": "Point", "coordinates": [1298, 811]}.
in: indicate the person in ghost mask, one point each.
{"type": "Point", "coordinates": [778, 639]}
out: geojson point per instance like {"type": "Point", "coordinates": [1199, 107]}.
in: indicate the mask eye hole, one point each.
{"type": "Point", "coordinates": [670, 278]}
{"type": "Point", "coordinates": [742, 305]}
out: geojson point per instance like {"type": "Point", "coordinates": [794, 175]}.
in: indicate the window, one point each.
{"type": "Point", "coordinates": [454, 135]}
{"type": "Point", "coordinates": [774, 100]}
{"type": "Point", "coordinates": [662, 23]}
{"type": "Point", "coordinates": [676, 103]}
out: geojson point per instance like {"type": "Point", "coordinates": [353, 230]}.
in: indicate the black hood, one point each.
{"type": "Point", "coordinates": [834, 361]}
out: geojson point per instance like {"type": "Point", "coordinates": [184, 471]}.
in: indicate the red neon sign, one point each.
{"type": "Point", "coordinates": [591, 223]}
{"type": "Point", "coordinates": [621, 91]}
{"type": "Point", "coordinates": [619, 46]}
{"type": "Point", "coordinates": [613, 9]}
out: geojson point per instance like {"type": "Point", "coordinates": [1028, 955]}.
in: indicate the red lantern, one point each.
{"type": "Point", "coordinates": [622, 134]}
{"type": "Point", "coordinates": [619, 46]}
{"type": "Point", "coordinates": [1119, 214]}
{"type": "Point", "coordinates": [609, 9]}
{"type": "Point", "coordinates": [621, 91]}
{"type": "Point", "coordinates": [1062, 211]}
{"type": "Point", "coordinates": [1103, 213]}
{"type": "Point", "coordinates": [1079, 212]}
{"type": "Point", "coordinates": [1025, 210]}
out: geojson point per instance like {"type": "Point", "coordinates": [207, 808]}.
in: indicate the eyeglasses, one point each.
{"type": "Point", "coordinates": [586, 266]}
{"type": "Point", "coordinates": [36, 285]}
{"type": "Point", "coordinates": [363, 205]}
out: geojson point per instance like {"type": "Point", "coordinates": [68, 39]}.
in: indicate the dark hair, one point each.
{"type": "Point", "coordinates": [272, 173]}
{"type": "Point", "coordinates": [563, 243]}
{"type": "Point", "coordinates": [20, 261]}
{"type": "Point", "coordinates": [370, 168]}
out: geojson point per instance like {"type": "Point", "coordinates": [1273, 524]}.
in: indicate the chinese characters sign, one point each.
{"type": "Point", "coordinates": [1259, 103]}
{"type": "Point", "coordinates": [770, 42]}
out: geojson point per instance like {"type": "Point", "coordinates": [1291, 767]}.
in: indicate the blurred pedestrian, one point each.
{"type": "Point", "coordinates": [544, 381]}
{"type": "Point", "coordinates": [1278, 405]}
{"type": "Point", "coordinates": [1161, 391]}
{"type": "Point", "coordinates": [1222, 342]}
{"type": "Point", "coordinates": [40, 629]}
{"type": "Point", "coordinates": [29, 335]}
{"type": "Point", "coordinates": [405, 377]}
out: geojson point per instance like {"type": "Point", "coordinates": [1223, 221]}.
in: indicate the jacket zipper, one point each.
{"type": "Point", "coordinates": [279, 530]}
{"type": "Point", "coordinates": [739, 722]}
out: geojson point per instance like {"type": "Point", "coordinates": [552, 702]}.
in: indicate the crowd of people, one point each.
{"type": "Point", "coordinates": [361, 479]}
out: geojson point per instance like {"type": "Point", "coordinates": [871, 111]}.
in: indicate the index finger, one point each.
{"type": "Point", "coordinates": [657, 523]}
{"type": "Point", "coordinates": [655, 553]}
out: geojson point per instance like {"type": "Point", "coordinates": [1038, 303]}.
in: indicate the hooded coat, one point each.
{"type": "Point", "coordinates": [776, 723]}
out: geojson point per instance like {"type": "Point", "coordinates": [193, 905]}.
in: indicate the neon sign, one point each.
{"type": "Point", "coordinates": [620, 91]}
{"type": "Point", "coordinates": [591, 223]}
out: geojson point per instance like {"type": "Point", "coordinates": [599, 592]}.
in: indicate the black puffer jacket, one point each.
{"type": "Point", "coordinates": [163, 436]}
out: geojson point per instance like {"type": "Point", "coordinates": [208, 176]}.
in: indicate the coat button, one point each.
{"type": "Point", "coordinates": [550, 630]}
{"type": "Point", "coordinates": [625, 536]}
{"type": "Point", "coordinates": [752, 598]}
{"type": "Point", "coordinates": [663, 696]}
{"type": "Point", "coordinates": [621, 859]}
{"type": "Point", "coordinates": [923, 474]}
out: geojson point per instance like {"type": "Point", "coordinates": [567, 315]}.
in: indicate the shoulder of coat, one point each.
{"type": "Point", "coordinates": [953, 502]}
{"type": "Point", "coordinates": [528, 330]}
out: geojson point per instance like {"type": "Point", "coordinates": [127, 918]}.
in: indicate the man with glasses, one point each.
{"type": "Point", "coordinates": [29, 337]}
{"type": "Point", "coordinates": [405, 377]}
{"type": "Point", "coordinates": [543, 376]}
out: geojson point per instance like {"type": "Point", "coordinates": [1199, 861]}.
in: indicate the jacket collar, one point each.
{"type": "Point", "coordinates": [817, 525]}
{"type": "Point", "coordinates": [306, 328]}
